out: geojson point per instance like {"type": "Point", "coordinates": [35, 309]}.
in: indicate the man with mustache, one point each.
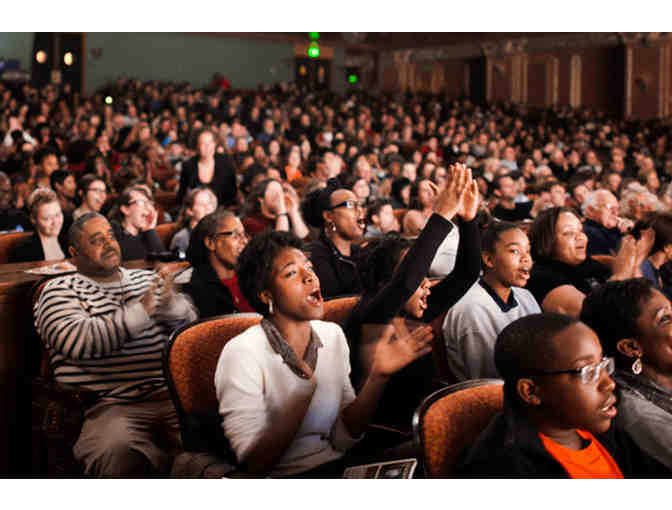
{"type": "Point", "coordinates": [105, 328]}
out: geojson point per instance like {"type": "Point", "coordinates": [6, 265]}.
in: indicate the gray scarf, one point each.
{"type": "Point", "coordinates": [289, 357]}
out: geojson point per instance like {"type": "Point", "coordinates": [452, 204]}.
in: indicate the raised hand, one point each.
{"type": "Point", "coordinates": [644, 244]}
{"type": "Point", "coordinates": [624, 263]}
{"type": "Point", "coordinates": [450, 199]}
{"type": "Point", "coordinates": [397, 348]}
{"type": "Point", "coordinates": [470, 202]}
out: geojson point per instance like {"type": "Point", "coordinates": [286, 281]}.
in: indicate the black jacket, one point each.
{"type": "Point", "coordinates": [223, 182]}
{"type": "Point", "coordinates": [211, 297]}
{"type": "Point", "coordinates": [338, 274]}
{"type": "Point", "coordinates": [601, 240]}
{"type": "Point", "coordinates": [407, 387]}
{"type": "Point", "coordinates": [510, 447]}
{"type": "Point", "coordinates": [31, 249]}
{"type": "Point", "coordinates": [137, 247]}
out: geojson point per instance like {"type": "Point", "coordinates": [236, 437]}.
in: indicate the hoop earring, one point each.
{"type": "Point", "coordinates": [270, 307]}
{"type": "Point", "coordinates": [637, 366]}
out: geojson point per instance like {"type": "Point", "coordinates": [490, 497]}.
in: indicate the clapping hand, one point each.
{"type": "Point", "coordinates": [163, 282]}
{"type": "Point", "coordinates": [449, 201]}
{"type": "Point", "coordinates": [166, 276]}
{"type": "Point", "coordinates": [470, 201]}
{"type": "Point", "coordinates": [397, 348]}
{"type": "Point", "coordinates": [644, 244]}
{"type": "Point", "coordinates": [624, 263]}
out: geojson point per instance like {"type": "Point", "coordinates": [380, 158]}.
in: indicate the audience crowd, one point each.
{"type": "Point", "coordinates": [540, 241]}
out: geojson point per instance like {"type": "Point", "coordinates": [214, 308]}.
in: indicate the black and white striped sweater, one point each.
{"type": "Point", "coordinates": [99, 336]}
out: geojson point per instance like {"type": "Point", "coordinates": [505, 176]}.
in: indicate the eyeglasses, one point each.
{"type": "Point", "coordinates": [240, 235]}
{"type": "Point", "coordinates": [142, 202]}
{"type": "Point", "coordinates": [101, 190]}
{"type": "Point", "coordinates": [348, 204]}
{"type": "Point", "coordinates": [589, 373]}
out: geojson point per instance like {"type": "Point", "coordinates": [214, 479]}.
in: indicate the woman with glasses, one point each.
{"type": "Point", "coordinates": [214, 247]}
{"type": "Point", "coordinates": [634, 323]}
{"type": "Point", "coordinates": [340, 216]}
{"type": "Point", "coordinates": [133, 220]}
{"type": "Point", "coordinates": [559, 404]}
{"type": "Point", "coordinates": [563, 274]}
{"type": "Point", "coordinates": [90, 196]}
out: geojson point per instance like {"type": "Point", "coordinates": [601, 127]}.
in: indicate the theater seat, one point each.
{"type": "Point", "coordinates": [166, 231]}
{"type": "Point", "coordinates": [451, 419]}
{"type": "Point", "coordinates": [10, 241]}
{"type": "Point", "coordinates": [57, 411]}
{"type": "Point", "coordinates": [338, 309]}
{"type": "Point", "coordinates": [189, 364]}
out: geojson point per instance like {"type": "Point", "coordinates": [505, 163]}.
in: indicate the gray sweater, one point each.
{"type": "Point", "coordinates": [470, 328]}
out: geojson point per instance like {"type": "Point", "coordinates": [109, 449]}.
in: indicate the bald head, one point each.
{"type": "Point", "coordinates": [77, 228]}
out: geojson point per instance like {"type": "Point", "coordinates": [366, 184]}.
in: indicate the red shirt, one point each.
{"type": "Point", "coordinates": [241, 303]}
{"type": "Point", "coordinates": [258, 223]}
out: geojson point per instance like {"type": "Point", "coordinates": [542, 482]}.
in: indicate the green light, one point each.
{"type": "Point", "coordinates": [314, 36]}
{"type": "Point", "coordinates": [352, 78]}
{"type": "Point", "coordinates": [314, 50]}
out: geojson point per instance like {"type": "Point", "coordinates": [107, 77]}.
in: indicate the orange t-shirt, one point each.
{"type": "Point", "coordinates": [593, 461]}
{"type": "Point", "coordinates": [292, 173]}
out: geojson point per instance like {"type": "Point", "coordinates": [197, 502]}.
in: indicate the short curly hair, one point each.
{"type": "Point", "coordinates": [524, 346]}
{"type": "Point", "coordinates": [255, 264]}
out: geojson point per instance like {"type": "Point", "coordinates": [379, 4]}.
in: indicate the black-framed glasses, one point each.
{"type": "Point", "coordinates": [589, 373]}
{"type": "Point", "coordinates": [348, 204]}
{"type": "Point", "coordinates": [234, 234]}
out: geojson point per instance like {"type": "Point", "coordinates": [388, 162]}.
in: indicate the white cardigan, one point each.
{"type": "Point", "coordinates": [251, 380]}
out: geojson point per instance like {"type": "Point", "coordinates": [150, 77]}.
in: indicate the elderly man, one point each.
{"type": "Point", "coordinates": [105, 328]}
{"type": "Point", "coordinates": [603, 226]}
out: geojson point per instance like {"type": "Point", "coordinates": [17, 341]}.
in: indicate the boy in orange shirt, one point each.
{"type": "Point", "coordinates": [558, 408]}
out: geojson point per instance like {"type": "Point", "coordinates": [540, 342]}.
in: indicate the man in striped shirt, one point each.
{"type": "Point", "coordinates": [105, 328]}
